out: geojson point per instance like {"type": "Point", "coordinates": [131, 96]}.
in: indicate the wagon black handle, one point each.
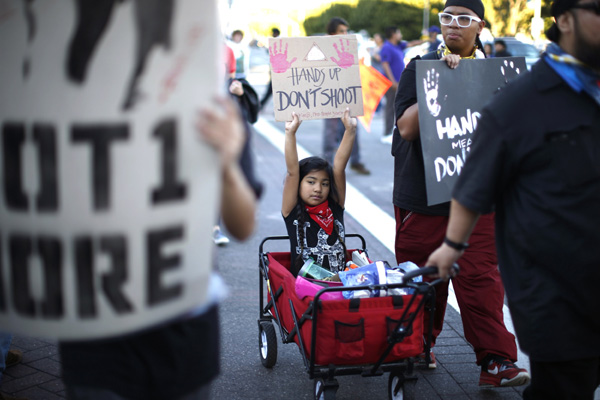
{"type": "Point", "coordinates": [426, 271]}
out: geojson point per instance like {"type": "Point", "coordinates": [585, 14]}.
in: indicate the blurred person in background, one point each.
{"type": "Point", "coordinates": [240, 51]}
{"type": "Point", "coordinates": [434, 42]}
{"type": "Point", "coordinates": [275, 34]}
{"type": "Point", "coordinates": [500, 49]}
{"type": "Point", "coordinates": [333, 128]}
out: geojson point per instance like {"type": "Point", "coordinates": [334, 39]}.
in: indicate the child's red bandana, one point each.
{"type": "Point", "coordinates": [322, 215]}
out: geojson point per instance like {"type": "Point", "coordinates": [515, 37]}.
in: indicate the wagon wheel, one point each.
{"type": "Point", "coordinates": [400, 388]}
{"type": "Point", "coordinates": [325, 391]}
{"type": "Point", "coordinates": [267, 344]}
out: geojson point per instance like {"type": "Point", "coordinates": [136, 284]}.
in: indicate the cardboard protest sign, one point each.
{"type": "Point", "coordinates": [107, 195]}
{"type": "Point", "coordinates": [317, 77]}
{"type": "Point", "coordinates": [450, 101]}
{"type": "Point", "coordinates": [374, 86]}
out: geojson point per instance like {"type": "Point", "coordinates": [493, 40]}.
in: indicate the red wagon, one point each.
{"type": "Point", "coordinates": [366, 336]}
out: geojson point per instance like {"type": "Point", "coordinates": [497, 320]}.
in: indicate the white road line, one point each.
{"type": "Point", "coordinates": [368, 214]}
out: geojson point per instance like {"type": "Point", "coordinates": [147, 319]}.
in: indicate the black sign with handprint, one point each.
{"type": "Point", "coordinates": [450, 101]}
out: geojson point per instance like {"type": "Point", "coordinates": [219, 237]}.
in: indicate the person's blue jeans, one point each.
{"type": "Point", "coordinates": [5, 340]}
{"type": "Point", "coordinates": [333, 131]}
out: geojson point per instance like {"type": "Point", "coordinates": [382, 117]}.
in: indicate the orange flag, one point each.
{"type": "Point", "coordinates": [374, 86]}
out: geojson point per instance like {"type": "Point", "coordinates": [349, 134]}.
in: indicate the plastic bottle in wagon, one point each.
{"type": "Point", "coordinates": [409, 266]}
{"type": "Point", "coordinates": [311, 269]}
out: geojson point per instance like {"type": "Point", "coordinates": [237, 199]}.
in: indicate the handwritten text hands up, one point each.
{"type": "Point", "coordinates": [279, 61]}
{"type": "Point", "coordinates": [346, 59]}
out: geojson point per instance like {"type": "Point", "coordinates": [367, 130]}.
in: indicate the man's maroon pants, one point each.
{"type": "Point", "coordinates": [478, 286]}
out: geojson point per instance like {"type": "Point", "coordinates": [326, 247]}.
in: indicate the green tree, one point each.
{"type": "Point", "coordinates": [374, 16]}
{"type": "Point", "coordinates": [508, 17]}
{"type": "Point", "coordinates": [503, 17]}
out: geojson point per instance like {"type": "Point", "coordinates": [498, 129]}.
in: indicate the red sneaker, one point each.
{"type": "Point", "coordinates": [500, 371]}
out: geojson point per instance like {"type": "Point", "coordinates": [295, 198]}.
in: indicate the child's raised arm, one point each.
{"type": "Point", "coordinates": [292, 177]}
{"type": "Point", "coordinates": [342, 155]}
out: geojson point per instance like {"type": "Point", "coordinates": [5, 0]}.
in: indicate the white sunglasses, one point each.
{"type": "Point", "coordinates": [464, 21]}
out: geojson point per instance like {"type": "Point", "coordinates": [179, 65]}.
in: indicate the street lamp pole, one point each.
{"type": "Point", "coordinates": [425, 18]}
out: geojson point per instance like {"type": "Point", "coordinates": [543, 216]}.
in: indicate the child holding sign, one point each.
{"type": "Point", "coordinates": [314, 193]}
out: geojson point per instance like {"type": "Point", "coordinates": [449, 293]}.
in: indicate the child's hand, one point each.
{"type": "Point", "coordinates": [223, 129]}
{"type": "Point", "coordinates": [292, 126]}
{"type": "Point", "coordinates": [236, 88]}
{"type": "Point", "coordinates": [349, 122]}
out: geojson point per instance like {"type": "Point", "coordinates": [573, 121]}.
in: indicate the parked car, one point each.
{"type": "Point", "coordinates": [514, 46]}
{"type": "Point", "coordinates": [521, 49]}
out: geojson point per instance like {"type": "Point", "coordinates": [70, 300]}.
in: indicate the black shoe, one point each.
{"type": "Point", "coordinates": [360, 169]}
{"type": "Point", "coordinates": [13, 357]}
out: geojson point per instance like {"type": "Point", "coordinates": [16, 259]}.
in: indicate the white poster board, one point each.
{"type": "Point", "coordinates": [107, 195]}
{"type": "Point", "coordinates": [317, 77]}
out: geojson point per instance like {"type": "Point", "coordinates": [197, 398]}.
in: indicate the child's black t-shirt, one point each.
{"type": "Point", "coordinates": [326, 250]}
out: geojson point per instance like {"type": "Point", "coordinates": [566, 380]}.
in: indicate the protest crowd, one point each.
{"type": "Point", "coordinates": [132, 207]}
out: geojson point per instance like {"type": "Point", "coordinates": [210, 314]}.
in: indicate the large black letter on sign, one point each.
{"type": "Point", "coordinates": [170, 189]}
{"type": "Point", "coordinates": [84, 267]}
{"type": "Point", "coordinates": [112, 283]}
{"type": "Point", "coordinates": [45, 136]}
{"type": "Point", "coordinates": [100, 137]}
{"type": "Point", "coordinates": [157, 264]}
{"type": "Point", "coordinates": [116, 248]}
{"type": "Point", "coordinates": [50, 253]}
{"type": "Point", "coordinates": [13, 138]}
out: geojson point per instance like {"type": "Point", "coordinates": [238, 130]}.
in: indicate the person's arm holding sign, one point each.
{"type": "Point", "coordinates": [408, 123]}
{"type": "Point", "coordinates": [225, 132]}
{"type": "Point", "coordinates": [389, 74]}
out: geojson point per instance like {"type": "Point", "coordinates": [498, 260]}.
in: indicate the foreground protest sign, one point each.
{"type": "Point", "coordinates": [317, 77]}
{"type": "Point", "coordinates": [450, 101]}
{"type": "Point", "coordinates": [107, 195]}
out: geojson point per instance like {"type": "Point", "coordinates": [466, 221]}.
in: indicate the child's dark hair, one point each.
{"type": "Point", "coordinates": [307, 165]}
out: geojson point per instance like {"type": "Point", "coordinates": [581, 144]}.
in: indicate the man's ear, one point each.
{"type": "Point", "coordinates": [565, 22]}
{"type": "Point", "coordinates": [481, 26]}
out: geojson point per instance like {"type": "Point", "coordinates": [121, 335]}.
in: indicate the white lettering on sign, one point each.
{"type": "Point", "coordinates": [449, 166]}
{"type": "Point", "coordinates": [451, 128]}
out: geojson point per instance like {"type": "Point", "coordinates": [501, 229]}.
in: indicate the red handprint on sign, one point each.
{"type": "Point", "coordinates": [279, 62]}
{"type": "Point", "coordinates": [346, 59]}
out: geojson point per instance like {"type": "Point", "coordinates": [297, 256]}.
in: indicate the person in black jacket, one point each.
{"type": "Point", "coordinates": [535, 159]}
